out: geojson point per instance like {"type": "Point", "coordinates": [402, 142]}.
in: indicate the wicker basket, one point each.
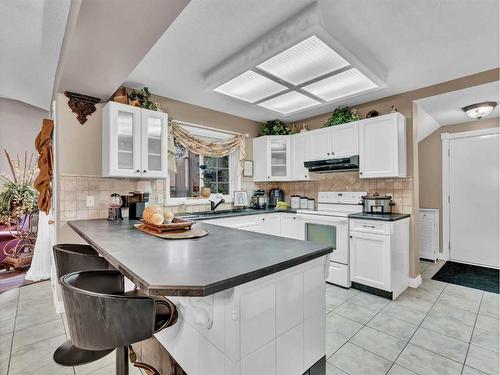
{"type": "Point", "coordinates": [176, 224]}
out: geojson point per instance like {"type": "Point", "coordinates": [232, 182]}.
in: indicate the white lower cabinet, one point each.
{"type": "Point", "coordinates": [270, 224]}
{"type": "Point", "coordinates": [379, 254]}
{"type": "Point", "coordinates": [292, 226]}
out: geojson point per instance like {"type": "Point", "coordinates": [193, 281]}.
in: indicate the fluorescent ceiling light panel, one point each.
{"type": "Point", "coordinates": [340, 85]}
{"type": "Point", "coordinates": [250, 87]}
{"type": "Point", "coordinates": [304, 61]}
{"type": "Point", "coordinates": [292, 101]}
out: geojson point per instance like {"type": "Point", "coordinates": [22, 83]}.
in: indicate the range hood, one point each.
{"type": "Point", "coordinates": [350, 163]}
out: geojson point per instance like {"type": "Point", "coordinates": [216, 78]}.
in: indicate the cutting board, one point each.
{"type": "Point", "coordinates": [173, 234]}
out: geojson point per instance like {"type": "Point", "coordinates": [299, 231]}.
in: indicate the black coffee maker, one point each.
{"type": "Point", "coordinates": [275, 195]}
{"type": "Point", "coordinates": [137, 202]}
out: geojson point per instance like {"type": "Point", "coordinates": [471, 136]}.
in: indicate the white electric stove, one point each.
{"type": "Point", "coordinates": [329, 224]}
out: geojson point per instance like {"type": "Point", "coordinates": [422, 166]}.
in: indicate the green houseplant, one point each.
{"type": "Point", "coordinates": [18, 197]}
{"type": "Point", "coordinates": [341, 115]}
{"type": "Point", "coordinates": [274, 127]}
{"type": "Point", "coordinates": [141, 98]}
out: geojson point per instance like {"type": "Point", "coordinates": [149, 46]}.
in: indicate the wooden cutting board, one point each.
{"type": "Point", "coordinates": [173, 234]}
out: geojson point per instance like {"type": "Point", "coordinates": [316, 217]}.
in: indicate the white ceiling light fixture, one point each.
{"type": "Point", "coordinates": [479, 110]}
{"type": "Point", "coordinates": [250, 87]}
{"type": "Point", "coordinates": [347, 83]}
{"type": "Point", "coordinates": [304, 61]}
{"type": "Point", "coordinates": [292, 101]}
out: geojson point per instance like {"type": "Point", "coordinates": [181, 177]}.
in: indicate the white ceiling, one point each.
{"type": "Point", "coordinates": [416, 43]}
{"type": "Point", "coordinates": [446, 109]}
{"type": "Point", "coordinates": [31, 35]}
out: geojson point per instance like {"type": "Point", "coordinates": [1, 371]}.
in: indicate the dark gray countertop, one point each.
{"type": "Point", "coordinates": [219, 214]}
{"type": "Point", "coordinates": [382, 217]}
{"type": "Point", "coordinates": [194, 267]}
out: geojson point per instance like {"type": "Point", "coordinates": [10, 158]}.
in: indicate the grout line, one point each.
{"type": "Point", "coordinates": [472, 334]}
{"type": "Point", "coordinates": [13, 331]}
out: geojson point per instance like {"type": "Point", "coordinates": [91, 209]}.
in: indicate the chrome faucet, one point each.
{"type": "Point", "coordinates": [213, 206]}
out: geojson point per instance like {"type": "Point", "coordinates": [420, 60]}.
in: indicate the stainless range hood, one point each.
{"type": "Point", "coordinates": [350, 163]}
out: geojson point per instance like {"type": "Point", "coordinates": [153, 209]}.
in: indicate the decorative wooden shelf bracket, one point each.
{"type": "Point", "coordinates": [82, 105]}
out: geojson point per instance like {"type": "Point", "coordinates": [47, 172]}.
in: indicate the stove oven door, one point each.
{"type": "Point", "coordinates": [329, 230]}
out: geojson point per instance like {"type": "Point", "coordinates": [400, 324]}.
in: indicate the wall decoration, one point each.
{"type": "Point", "coordinates": [304, 128]}
{"type": "Point", "coordinates": [247, 168]}
{"type": "Point", "coordinates": [342, 115]}
{"type": "Point", "coordinates": [141, 98]}
{"type": "Point", "coordinates": [82, 105]}
{"type": "Point", "coordinates": [372, 113]}
{"type": "Point", "coordinates": [240, 199]}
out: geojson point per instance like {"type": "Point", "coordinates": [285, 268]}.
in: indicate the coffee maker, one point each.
{"type": "Point", "coordinates": [276, 195]}
{"type": "Point", "coordinates": [115, 207]}
{"type": "Point", "coordinates": [258, 200]}
{"type": "Point", "coordinates": [137, 202]}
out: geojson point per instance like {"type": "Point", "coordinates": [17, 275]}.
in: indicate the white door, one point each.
{"type": "Point", "coordinates": [370, 260]}
{"type": "Point", "coordinates": [474, 200]}
{"type": "Point", "coordinates": [278, 158]}
{"type": "Point", "coordinates": [299, 149]}
{"type": "Point", "coordinates": [124, 140]}
{"type": "Point", "coordinates": [345, 140]}
{"type": "Point", "coordinates": [154, 144]}
{"type": "Point", "coordinates": [320, 144]}
{"type": "Point", "coordinates": [260, 159]}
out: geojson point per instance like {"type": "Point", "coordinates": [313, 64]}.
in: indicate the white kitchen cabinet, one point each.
{"type": "Point", "coordinates": [382, 146]}
{"type": "Point", "coordinates": [429, 233]}
{"type": "Point", "coordinates": [379, 254]}
{"type": "Point", "coordinates": [272, 158]}
{"type": "Point", "coordinates": [345, 139]}
{"type": "Point", "coordinates": [134, 142]}
{"type": "Point", "coordinates": [270, 224]}
{"type": "Point", "coordinates": [248, 222]}
{"type": "Point", "coordinates": [320, 144]}
{"type": "Point", "coordinates": [292, 226]}
{"type": "Point", "coordinates": [298, 152]}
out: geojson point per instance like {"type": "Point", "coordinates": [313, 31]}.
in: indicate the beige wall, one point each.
{"type": "Point", "coordinates": [430, 164]}
{"type": "Point", "coordinates": [19, 126]}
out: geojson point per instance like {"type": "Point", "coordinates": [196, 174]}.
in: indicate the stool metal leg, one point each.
{"type": "Point", "coordinates": [122, 360]}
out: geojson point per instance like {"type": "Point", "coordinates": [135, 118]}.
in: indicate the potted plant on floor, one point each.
{"type": "Point", "coordinates": [18, 211]}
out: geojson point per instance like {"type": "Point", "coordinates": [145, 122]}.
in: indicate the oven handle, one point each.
{"type": "Point", "coordinates": [331, 219]}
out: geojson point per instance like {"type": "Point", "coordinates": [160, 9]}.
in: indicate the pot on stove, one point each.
{"type": "Point", "coordinates": [377, 204]}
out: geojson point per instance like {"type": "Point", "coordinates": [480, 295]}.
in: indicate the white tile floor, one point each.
{"type": "Point", "coordinates": [438, 328]}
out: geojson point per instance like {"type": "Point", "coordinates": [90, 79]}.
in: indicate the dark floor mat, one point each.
{"type": "Point", "coordinates": [470, 276]}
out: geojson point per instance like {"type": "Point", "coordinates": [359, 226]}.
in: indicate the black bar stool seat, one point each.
{"type": "Point", "coordinates": [101, 317]}
{"type": "Point", "coordinates": [71, 258]}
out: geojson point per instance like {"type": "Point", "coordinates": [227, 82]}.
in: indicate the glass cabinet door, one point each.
{"type": "Point", "coordinates": [279, 154]}
{"type": "Point", "coordinates": [154, 141]}
{"type": "Point", "coordinates": [125, 139]}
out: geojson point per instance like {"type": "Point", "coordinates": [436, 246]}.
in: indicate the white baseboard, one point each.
{"type": "Point", "coordinates": [415, 282]}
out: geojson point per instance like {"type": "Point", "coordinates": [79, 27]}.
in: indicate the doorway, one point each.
{"type": "Point", "coordinates": [471, 196]}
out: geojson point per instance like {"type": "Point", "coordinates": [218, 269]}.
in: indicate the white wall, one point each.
{"type": "Point", "coordinates": [19, 126]}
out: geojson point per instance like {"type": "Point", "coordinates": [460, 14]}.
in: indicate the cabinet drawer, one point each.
{"type": "Point", "coordinates": [370, 226]}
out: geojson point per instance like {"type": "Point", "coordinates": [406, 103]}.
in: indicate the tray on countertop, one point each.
{"type": "Point", "coordinates": [176, 225]}
{"type": "Point", "coordinates": [178, 234]}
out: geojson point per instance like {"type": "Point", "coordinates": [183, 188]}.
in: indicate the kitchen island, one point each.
{"type": "Point", "coordinates": [249, 303]}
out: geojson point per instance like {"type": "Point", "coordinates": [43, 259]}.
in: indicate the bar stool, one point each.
{"type": "Point", "coordinates": [71, 258]}
{"type": "Point", "coordinates": [102, 318]}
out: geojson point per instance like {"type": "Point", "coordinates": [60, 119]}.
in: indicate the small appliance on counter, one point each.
{"type": "Point", "coordinates": [376, 204]}
{"type": "Point", "coordinates": [115, 207]}
{"type": "Point", "coordinates": [276, 195]}
{"type": "Point", "coordinates": [258, 199]}
{"type": "Point", "coordinates": [137, 202]}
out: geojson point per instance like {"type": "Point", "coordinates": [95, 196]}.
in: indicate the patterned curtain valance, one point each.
{"type": "Point", "coordinates": [202, 146]}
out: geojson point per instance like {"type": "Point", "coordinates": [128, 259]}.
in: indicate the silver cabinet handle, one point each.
{"type": "Point", "coordinates": [369, 226]}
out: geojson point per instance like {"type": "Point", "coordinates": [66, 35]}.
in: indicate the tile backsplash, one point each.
{"type": "Point", "coordinates": [400, 189]}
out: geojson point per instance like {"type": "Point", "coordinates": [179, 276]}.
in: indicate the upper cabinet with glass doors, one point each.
{"type": "Point", "coordinates": [271, 158]}
{"type": "Point", "coordinates": [134, 142]}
